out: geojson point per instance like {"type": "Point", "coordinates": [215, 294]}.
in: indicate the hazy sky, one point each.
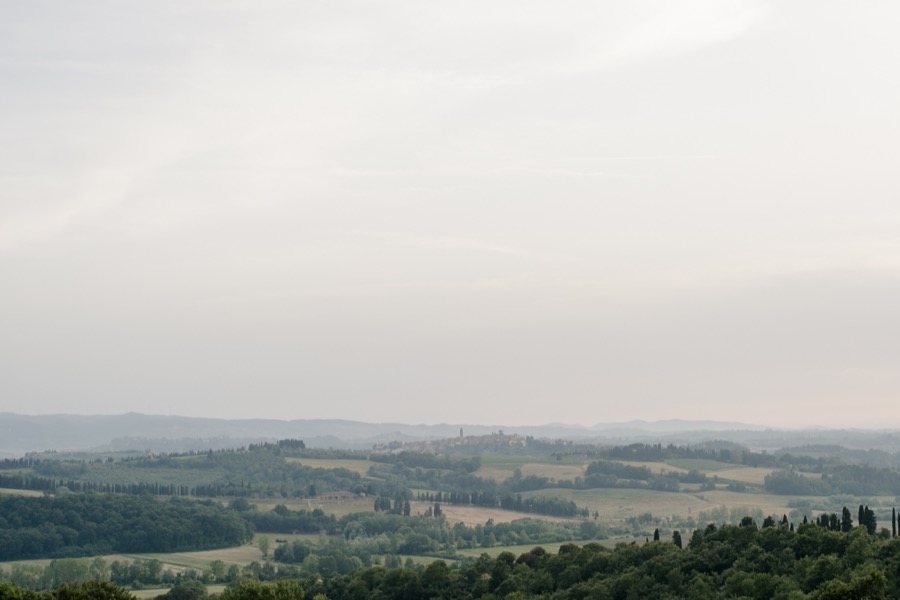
{"type": "Point", "coordinates": [498, 212]}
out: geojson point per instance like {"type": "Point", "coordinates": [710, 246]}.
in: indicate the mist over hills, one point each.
{"type": "Point", "coordinates": [20, 434]}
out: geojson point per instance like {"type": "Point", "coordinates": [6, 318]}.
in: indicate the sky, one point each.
{"type": "Point", "coordinates": [505, 212]}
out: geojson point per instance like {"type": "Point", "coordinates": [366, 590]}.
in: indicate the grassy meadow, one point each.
{"type": "Point", "coordinates": [357, 465]}
{"type": "Point", "coordinates": [154, 592]}
{"type": "Point", "coordinates": [500, 468]}
{"type": "Point", "coordinates": [11, 492]}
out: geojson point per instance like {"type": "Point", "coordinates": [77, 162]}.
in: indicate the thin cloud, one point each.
{"type": "Point", "coordinates": [646, 158]}
{"type": "Point", "coordinates": [556, 172]}
{"type": "Point", "coordinates": [683, 27]}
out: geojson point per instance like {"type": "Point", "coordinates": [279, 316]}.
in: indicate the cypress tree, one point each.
{"type": "Point", "coordinates": [870, 522]}
{"type": "Point", "coordinates": [894, 522]}
{"type": "Point", "coordinates": [847, 522]}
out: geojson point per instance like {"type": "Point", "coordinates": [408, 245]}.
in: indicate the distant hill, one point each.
{"type": "Point", "coordinates": [20, 434]}
{"type": "Point", "coordinates": [133, 431]}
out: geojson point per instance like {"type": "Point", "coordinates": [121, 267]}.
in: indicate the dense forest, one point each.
{"type": "Point", "coordinates": [90, 524]}
{"type": "Point", "coordinates": [717, 562]}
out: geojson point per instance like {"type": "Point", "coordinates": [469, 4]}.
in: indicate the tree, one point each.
{"type": "Point", "coordinates": [88, 590]}
{"type": "Point", "coordinates": [285, 589]}
{"type": "Point", "coordinates": [8, 591]}
{"type": "Point", "coordinates": [867, 584]}
{"type": "Point", "coordinates": [240, 504]}
{"type": "Point", "coordinates": [217, 568]}
{"type": "Point", "coordinates": [233, 573]}
{"type": "Point", "coordinates": [869, 520]}
{"type": "Point", "coordinates": [676, 538]}
{"type": "Point", "coordinates": [847, 521]}
{"type": "Point", "coordinates": [656, 534]}
{"type": "Point", "coordinates": [894, 522]}
{"type": "Point", "coordinates": [186, 589]}
{"type": "Point", "coordinates": [264, 546]}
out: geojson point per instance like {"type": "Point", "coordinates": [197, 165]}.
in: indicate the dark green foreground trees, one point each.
{"type": "Point", "coordinates": [718, 562]}
{"type": "Point", "coordinates": [89, 590]}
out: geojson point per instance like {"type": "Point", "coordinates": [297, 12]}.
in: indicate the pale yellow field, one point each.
{"type": "Point", "coordinates": [312, 538]}
{"type": "Point", "coordinates": [769, 504]}
{"type": "Point", "coordinates": [153, 593]}
{"type": "Point", "coordinates": [555, 471]}
{"type": "Point", "coordinates": [360, 466]}
{"type": "Point", "coordinates": [337, 507]}
{"type": "Point", "coordinates": [619, 504]}
{"type": "Point", "coordinates": [200, 561]}
{"type": "Point", "coordinates": [655, 467]}
{"type": "Point", "coordinates": [752, 475]}
{"type": "Point", "coordinates": [477, 515]}
{"type": "Point", "coordinates": [37, 562]}
{"type": "Point", "coordinates": [179, 561]}
{"type": "Point", "coordinates": [492, 472]}
{"type": "Point", "coordinates": [500, 471]}
{"type": "Point", "coordinates": [12, 492]}
{"type": "Point", "coordinates": [239, 555]}
{"type": "Point", "coordinates": [266, 504]}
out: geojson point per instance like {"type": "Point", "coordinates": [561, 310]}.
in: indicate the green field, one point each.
{"type": "Point", "coordinates": [20, 492]}
{"type": "Point", "coordinates": [357, 465]}
{"type": "Point", "coordinates": [655, 467]}
{"type": "Point", "coordinates": [126, 473]}
{"type": "Point", "coordinates": [617, 504]}
{"type": "Point", "coordinates": [500, 468]}
{"type": "Point", "coordinates": [239, 555]}
{"type": "Point", "coordinates": [338, 508]}
{"type": "Point", "coordinates": [751, 475]}
{"type": "Point", "coordinates": [699, 464]}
